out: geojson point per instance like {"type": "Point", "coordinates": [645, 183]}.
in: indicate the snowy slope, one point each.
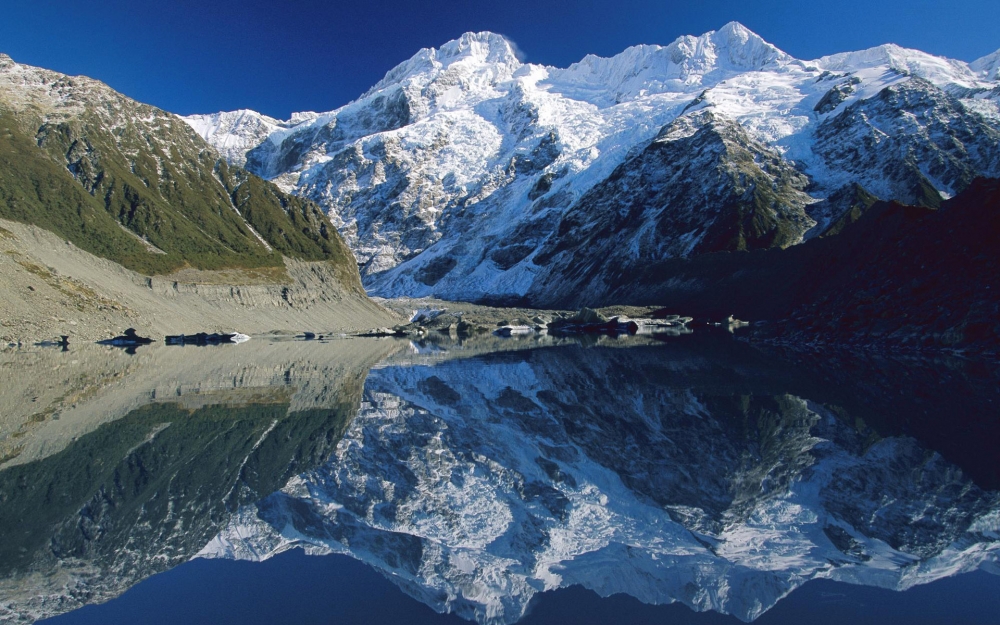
{"type": "Point", "coordinates": [234, 133]}
{"type": "Point", "coordinates": [987, 66]}
{"type": "Point", "coordinates": [940, 71]}
{"type": "Point", "coordinates": [464, 150]}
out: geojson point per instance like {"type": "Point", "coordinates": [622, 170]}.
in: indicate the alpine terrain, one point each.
{"type": "Point", "coordinates": [468, 174]}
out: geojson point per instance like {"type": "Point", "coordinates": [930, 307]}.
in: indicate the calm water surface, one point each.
{"type": "Point", "coordinates": [690, 479]}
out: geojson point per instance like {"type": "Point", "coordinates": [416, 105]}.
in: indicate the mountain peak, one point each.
{"type": "Point", "coordinates": [742, 47]}
{"type": "Point", "coordinates": [737, 31]}
{"type": "Point", "coordinates": [478, 49]}
{"type": "Point", "coordinates": [485, 45]}
{"type": "Point", "coordinates": [938, 70]}
{"type": "Point", "coordinates": [886, 54]}
{"type": "Point", "coordinates": [686, 64]}
{"type": "Point", "coordinates": [987, 66]}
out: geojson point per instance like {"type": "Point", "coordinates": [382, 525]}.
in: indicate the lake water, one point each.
{"type": "Point", "coordinates": [678, 479]}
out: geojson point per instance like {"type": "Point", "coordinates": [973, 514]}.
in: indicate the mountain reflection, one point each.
{"type": "Point", "coordinates": [476, 484]}
{"type": "Point", "coordinates": [699, 471]}
{"type": "Point", "coordinates": [133, 494]}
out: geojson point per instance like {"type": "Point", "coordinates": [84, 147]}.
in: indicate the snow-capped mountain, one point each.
{"type": "Point", "coordinates": [475, 485]}
{"type": "Point", "coordinates": [237, 132]}
{"type": "Point", "coordinates": [467, 174]}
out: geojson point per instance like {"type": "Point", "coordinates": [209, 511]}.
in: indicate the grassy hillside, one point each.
{"type": "Point", "coordinates": [35, 190]}
{"type": "Point", "coordinates": [135, 185]}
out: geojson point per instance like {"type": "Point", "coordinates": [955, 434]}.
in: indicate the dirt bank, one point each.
{"type": "Point", "coordinates": [50, 288]}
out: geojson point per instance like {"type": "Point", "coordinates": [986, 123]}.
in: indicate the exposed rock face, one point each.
{"type": "Point", "coordinates": [912, 142]}
{"type": "Point", "coordinates": [703, 185]}
{"type": "Point", "coordinates": [462, 171]}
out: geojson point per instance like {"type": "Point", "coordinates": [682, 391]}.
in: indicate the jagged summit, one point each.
{"type": "Point", "coordinates": [685, 64]}
{"type": "Point", "coordinates": [487, 46]}
{"type": "Point", "coordinates": [482, 49]}
{"type": "Point", "coordinates": [686, 61]}
{"type": "Point", "coordinates": [239, 131]}
{"type": "Point", "coordinates": [239, 114]}
{"type": "Point", "coordinates": [745, 49]}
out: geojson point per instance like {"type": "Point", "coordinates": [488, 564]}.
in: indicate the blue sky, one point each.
{"type": "Point", "coordinates": [191, 56]}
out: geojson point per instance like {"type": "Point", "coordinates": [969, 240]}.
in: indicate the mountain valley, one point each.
{"type": "Point", "coordinates": [693, 328]}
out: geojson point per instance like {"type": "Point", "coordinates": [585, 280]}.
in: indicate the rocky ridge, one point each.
{"type": "Point", "coordinates": [116, 214]}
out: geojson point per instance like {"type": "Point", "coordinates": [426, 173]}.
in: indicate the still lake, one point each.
{"type": "Point", "coordinates": [672, 479]}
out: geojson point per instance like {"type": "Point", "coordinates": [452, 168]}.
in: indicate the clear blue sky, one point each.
{"type": "Point", "coordinates": [191, 56]}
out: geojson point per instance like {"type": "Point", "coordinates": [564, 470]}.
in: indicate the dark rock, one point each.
{"type": "Point", "coordinates": [588, 315]}
{"type": "Point", "coordinates": [127, 339]}
{"type": "Point", "coordinates": [201, 338]}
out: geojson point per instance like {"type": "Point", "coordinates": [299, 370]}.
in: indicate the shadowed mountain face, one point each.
{"type": "Point", "coordinates": [908, 275]}
{"type": "Point", "coordinates": [714, 476]}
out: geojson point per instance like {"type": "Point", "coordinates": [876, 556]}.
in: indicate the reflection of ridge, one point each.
{"type": "Point", "coordinates": [90, 385]}
{"type": "Point", "coordinates": [141, 493]}
{"type": "Point", "coordinates": [476, 484]}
